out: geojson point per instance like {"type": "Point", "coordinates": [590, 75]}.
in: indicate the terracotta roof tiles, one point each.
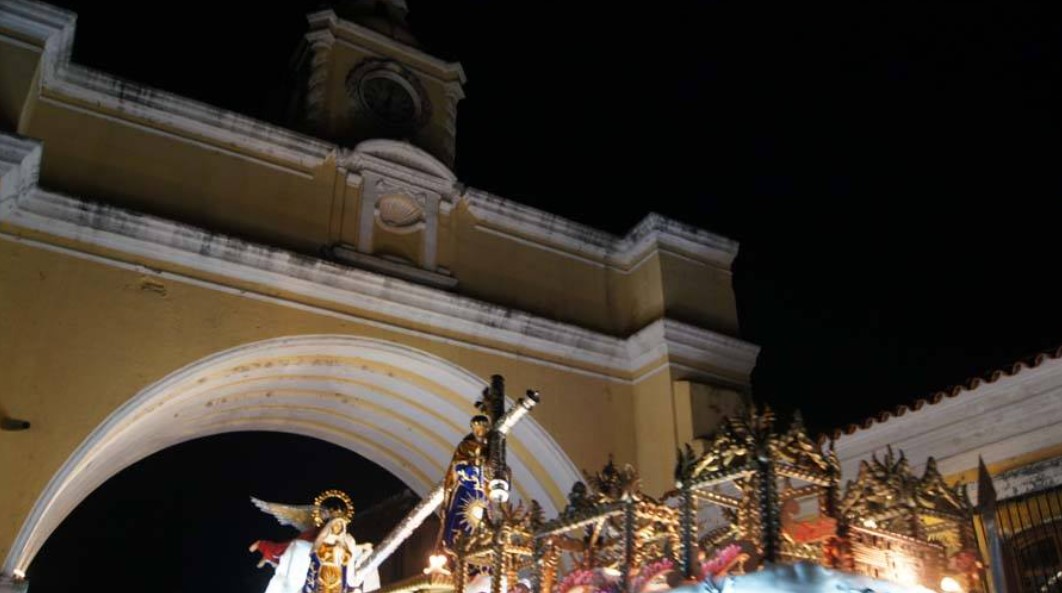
{"type": "Point", "coordinates": [936, 398]}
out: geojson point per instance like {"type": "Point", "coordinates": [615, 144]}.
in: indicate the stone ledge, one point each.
{"type": "Point", "coordinates": [652, 232]}
{"type": "Point", "coordinates": [150, 239]}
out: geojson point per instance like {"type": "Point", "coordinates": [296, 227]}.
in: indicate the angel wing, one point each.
{"type": "Point", "coordinates": [298, 516]}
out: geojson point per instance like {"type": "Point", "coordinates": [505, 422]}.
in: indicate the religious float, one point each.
{"type": "Point", "coordinates": [754, 509]}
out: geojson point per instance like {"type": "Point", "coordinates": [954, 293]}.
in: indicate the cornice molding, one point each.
{"type": "Point", "coordinates": [84, 88]}
{"type": "Point", "coordinates": [20, 163]}
{"type": "Point", "coordinates": [659, 230]}
{"type": "Point", "coordinates": [402, 161]}
{"type": "Point", "coordinates": [43, 25]}
{"type": "Point", "coordinates": [394, 269]}
{"type": "Point", "coordinates": [684, 342]}
{"type": "Point", "coordinates": [323, 36]}
{"type": "Point", "coordinates": [141, 238]}
{"type": "Point", "coordinates": [653, 232]}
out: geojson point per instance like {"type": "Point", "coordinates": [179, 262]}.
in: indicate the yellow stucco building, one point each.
{"type": "Point", "coordinates": [170, 270]}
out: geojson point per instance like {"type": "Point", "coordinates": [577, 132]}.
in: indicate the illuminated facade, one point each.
{"type": "Point", "coordinates": [1011, 420]}
{"type": "Point", "coordinates": [172, 270]}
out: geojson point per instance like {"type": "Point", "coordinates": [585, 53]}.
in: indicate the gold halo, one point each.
{"type": "Point", "coordinates": [348, 505]}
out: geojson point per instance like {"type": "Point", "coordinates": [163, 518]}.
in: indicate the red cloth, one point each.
{"type": "Point", "coordinates": [272, 551]}
{"type": "Point", "coordinates": [813, 530]}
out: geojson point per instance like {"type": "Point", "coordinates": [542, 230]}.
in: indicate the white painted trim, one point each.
{"type": "Point", "coordinates": [1034, 477]}
{"type": "Point", "coordinates": [408, 272]}
{"type": "Point", "coordinates": [686, 342]}
{"type": "Point", "coordinates": [147, 238]}
{"type": "Point", "coordinates": [1012, 416]}
{"type": "Point", "coordinates": [657, 230]}
{"type": "Point", "coordinates": [652, 232]}
{"type": "Point", "coordinates": [626, 271]}
{"type": "Point", "coordinates": [238, 389]}
{"type": "Point", "coordinates": [52, 28]}
{"type": "Point", "coordinates": [395, 167]}
{"type": "Point", "coordinates": [161, 274]}
{"type": "Point", "coordinates": [20, 163]}
{"type": "Point", "coordinates": [9, 40]}
{"type": "Point", "coordinates": [432, 173]}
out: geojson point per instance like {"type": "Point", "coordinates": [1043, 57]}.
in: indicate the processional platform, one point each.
{"type": "Point", "coordinates": [787, 524]}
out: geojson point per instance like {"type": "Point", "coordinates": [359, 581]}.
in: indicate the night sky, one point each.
{"type": "Point", "coordinates": [890, 169]}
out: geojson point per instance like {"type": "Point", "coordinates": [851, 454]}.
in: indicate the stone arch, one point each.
{"type": "Point", "coordinates": [402, 408]}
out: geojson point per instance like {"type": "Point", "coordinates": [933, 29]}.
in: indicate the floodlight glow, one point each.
{"type": "Point", "coordinates": [950, 585]}
{"type": "Point", "coordinates": [436, 564]}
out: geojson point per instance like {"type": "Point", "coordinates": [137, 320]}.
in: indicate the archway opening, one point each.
{"type": "Point", "coordinates": [401, 408]}
{"type": "Point", "coordinates": [182, 520]}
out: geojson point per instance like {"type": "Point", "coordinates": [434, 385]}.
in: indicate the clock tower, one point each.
{"type": "Point", "coordinates": [360, 76]}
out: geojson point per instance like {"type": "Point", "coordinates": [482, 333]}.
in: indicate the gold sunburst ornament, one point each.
{"type": "Point", "coordinates": [321, 514]}
{"type": "Point", "coordinates": [473, 512]}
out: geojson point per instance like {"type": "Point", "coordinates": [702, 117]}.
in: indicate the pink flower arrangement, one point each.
{"type": "Point", "coordinates": [584, 577]}
{"type": "Point", "coordinates": [721, 561]}
{"type": "Point", "coordinates": [651, 571]}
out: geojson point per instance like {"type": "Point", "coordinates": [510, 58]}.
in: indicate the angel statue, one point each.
{"type": "Point", "coordinates": [322, 558]}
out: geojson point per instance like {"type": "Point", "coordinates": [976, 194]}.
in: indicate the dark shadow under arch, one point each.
{"type": "Point", "coordinates": [181, 519]}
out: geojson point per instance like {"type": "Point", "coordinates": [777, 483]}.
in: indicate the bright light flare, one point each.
{"type": "Point", "coordinates": [950, 585]}
{"type": "Point", "coordinates": [498, 490]}
{"type": "Point", "coordinates": [905, 575]}
{"type": "Point", "coordinates": [436, 564]}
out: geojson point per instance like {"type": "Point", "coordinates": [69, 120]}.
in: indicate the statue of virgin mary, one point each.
{"type": "Point", "coordinates": [321, 559]}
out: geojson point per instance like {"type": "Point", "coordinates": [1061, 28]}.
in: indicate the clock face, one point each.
{"type": "Point", "coordinates": [388, 98]}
